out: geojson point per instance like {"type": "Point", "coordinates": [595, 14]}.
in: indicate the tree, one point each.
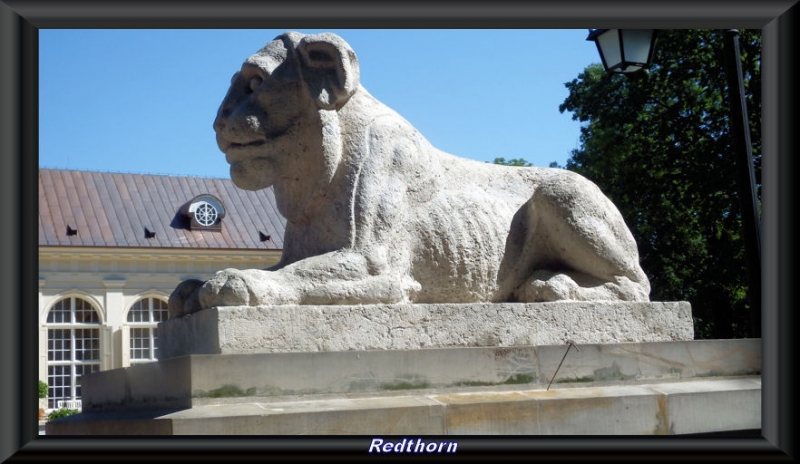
{"type": "Point", "coordinates": [659, 145]}
{"type": "Point", "coordinates": [512, 162]}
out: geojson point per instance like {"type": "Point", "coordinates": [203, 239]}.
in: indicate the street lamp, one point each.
{"type": "Point", "coordinates": [631, 50]}
{"type": "Point", "coordinates": [624, 50]}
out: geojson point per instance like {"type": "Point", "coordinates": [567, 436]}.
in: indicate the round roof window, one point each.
{"type": "Point", "coordinates": [206, 214]}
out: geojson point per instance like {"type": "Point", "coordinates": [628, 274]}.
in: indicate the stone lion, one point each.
{"type": "Point", "coordinates": [375, 214]}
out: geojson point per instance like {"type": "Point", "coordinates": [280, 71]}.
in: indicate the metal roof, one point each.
{"type": "Point", "coordinates": [85, 208]}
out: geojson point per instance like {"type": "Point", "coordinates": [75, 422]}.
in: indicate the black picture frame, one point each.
{"type": "Point", "coordinates": [19, 25]}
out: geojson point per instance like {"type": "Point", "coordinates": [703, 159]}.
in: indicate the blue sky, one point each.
{"type": "Point", "coordinates": [143, 101]}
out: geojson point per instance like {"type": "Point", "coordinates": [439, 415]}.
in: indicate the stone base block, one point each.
{"type": "Point", "coordinates": [296, 328]}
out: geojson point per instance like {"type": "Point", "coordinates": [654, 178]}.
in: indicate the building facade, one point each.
{"type": "Point", "coordinates": [113, 246]}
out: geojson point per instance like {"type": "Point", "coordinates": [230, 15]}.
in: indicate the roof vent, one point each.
{"type": "Point", "coordinates": [71, 231]}
{"type": "Point", "coordinates": [263, 237]}
{"type": "Point", "coordinates": [148, 233]}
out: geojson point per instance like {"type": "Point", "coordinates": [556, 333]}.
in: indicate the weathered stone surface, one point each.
{"type": "Point", "coordinates": [666, 408]}
{"type": "Point", "coordinates": [312, 328]}
{"type": "Point", "coordinates": [197, 380]}
{"type": "Point", "coordinates": [623, 388]}
{"type": "Point", "coordinates": [663, 408]}
{"type": "Point", "coordinates": [376, 214]}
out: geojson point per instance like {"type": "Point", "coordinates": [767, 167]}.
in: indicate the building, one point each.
{"type": "Point", "coordinates": [113, 246]}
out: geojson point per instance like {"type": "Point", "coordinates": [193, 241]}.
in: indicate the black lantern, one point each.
{"type": "Point", "coordinates": [624, 50]}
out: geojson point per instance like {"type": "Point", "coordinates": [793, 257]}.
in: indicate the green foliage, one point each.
{"type": "Point", "coordinates": [405, 385]}
{"type": "Point", "coordinates": [59, 413]}
{"type": "Point", "coordinates": [513, 162]}
{"type": "Point", "coordinates": [518, 379]}
{"type": "Point", "coordinates": [659, 145]}
{"type": "Point", "coordinates": [227, 391]}
{"type": "Point", "coordinates": [42, 389]}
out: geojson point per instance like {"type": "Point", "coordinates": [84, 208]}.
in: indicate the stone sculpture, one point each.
{"type": "Point", "coordinates": [376, 214]}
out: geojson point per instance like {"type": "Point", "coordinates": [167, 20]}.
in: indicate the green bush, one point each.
{"type": "Point", "coordinates": [42, 389]}
{"type": "Point", "coordinates": [59, 413]}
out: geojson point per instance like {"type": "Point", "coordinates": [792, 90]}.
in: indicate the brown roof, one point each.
{"type": "Point", "coordinates": [113, 209]}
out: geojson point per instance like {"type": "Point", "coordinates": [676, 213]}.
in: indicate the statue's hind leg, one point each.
{"type": "Point", "coordinates": [576, 247]}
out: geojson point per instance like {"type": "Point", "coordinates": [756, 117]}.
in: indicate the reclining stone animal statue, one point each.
{"type": "Point", "coordinates": [376, 214]}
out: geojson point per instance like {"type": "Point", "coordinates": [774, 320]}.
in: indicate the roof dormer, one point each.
{"type": "Point", "coordinates": [204, 212]}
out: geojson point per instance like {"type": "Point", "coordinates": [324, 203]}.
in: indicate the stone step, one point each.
{"type": "Point", "coordinates": [668, 387]}
{"type": "Point", "coordinates": [196, 380]}
{"type": "Point", "coordinates": [630, 407]}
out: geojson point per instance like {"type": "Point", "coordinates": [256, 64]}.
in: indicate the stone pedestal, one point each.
{"type": "Point", "coordinates": [295, 328]}
{"type": "Point", "coordinates": [219, 383]}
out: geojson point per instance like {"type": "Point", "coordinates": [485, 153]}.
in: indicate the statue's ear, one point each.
{"type": "Point", "coordinates": [330, 68]}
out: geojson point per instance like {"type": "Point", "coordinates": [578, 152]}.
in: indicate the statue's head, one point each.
{"type": "Point", "coordinates": [271, 110]}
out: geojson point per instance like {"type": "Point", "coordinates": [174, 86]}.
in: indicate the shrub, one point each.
{"type": "Point", "coordinates": [42, 389]}
{"type": "Point", "coordinates": [59, 413]}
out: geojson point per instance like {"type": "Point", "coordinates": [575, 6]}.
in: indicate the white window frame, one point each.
{"type": "Point", "coordinates": [71, 363]}
{"type": "Point", "coordinates": [150, 325]}
{"type": "Point", "coordinates": [206, 214]}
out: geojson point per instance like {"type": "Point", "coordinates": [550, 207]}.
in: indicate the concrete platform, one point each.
{"type": "Point", "coordinates": [622, 388]}
{"type": "Point", "coordinates": [308, 328]}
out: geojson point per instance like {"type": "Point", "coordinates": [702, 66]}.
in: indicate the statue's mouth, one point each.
{"type": "Point", "coordinates": [236, 150]}
{"type": "Point", "coordinates": [236, 146]}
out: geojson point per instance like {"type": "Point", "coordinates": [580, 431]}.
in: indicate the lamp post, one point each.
{"type": "Point", "coordinates": [630, 51]}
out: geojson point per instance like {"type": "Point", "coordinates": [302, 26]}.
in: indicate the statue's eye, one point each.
{"type": "Point", "coordinates": [255, 83]}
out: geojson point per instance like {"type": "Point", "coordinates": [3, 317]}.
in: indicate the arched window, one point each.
{"type": "Point", "coordinates": [143, 319]}
{"type": "Point", "coordinates": [73, 347]}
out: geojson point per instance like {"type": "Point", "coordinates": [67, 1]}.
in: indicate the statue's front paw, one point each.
{"type": "Point", "coordinates": [228, 288]}
{"type": "Point", "coordinates": [183, 299]}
